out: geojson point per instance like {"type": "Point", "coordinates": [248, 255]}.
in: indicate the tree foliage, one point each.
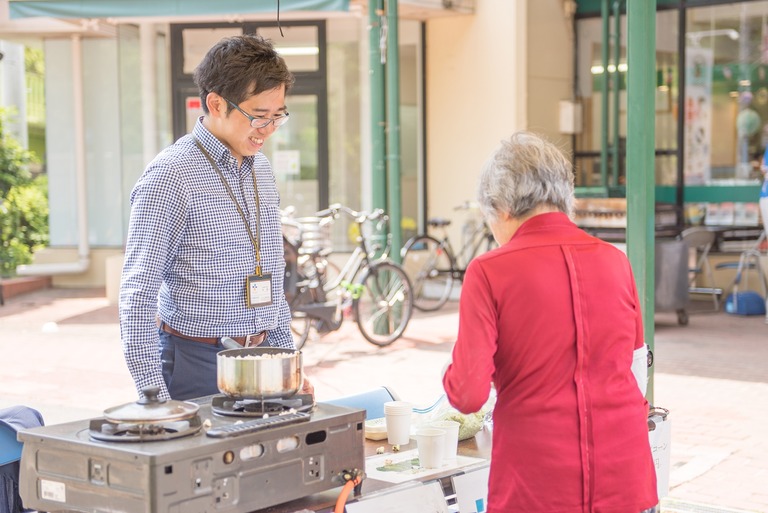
{"type": "Point", "coordinates": [23, 224]}
{"type": "Point", "coordinates": [14, 159]}
{"type": "Point", "coordinates": [34, 60]}
{"type": "Point", "coordinates": [23, 204]}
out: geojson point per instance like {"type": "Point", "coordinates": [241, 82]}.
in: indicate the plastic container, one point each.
{"type": "Point", "coordinates": [10, 448]}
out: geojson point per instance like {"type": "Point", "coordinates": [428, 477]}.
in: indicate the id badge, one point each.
{"type": "Point", "coordinates": [259, 290]}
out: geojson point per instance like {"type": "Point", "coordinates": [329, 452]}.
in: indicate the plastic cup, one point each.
{"type": "Point", "coordinates": [451, 428]}
{"type": "Point", "coordinates": [431, 444]}
{"type": "Point", "coordinates": [398, 417]}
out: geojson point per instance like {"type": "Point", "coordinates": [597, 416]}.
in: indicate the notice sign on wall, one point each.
{"type": "Point", "coordinates": [286, 162]}
{"type": "Point", "coordinates": [698, 114]}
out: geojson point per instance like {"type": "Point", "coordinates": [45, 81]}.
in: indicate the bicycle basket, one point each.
{"type": "Point", "coordinates": [315, 233]}
{"type": "Point", "coordinates": [376, 236]}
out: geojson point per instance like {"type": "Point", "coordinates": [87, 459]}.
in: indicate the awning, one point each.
{"type": "Point", "coordinates": [141, 8]}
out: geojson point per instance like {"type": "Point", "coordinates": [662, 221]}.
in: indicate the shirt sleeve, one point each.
{"type": "Point", "coordinates": [282, 336]}
{"type": "Point", "coordinates": [157, 214]}
{"type": "Point", "coordinates": [467, 380]}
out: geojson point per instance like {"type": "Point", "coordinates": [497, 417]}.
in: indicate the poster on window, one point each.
{"type": "Point", "coordinates": [698, 115]}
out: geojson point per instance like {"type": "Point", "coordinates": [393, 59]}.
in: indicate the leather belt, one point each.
{"type": "Point", "coordinates": [245, 341]}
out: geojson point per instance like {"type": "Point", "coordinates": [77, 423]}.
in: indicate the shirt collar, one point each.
{"type": "Point", "coordinates": [218, 151]}
{"type": "Point", "coordinates": [548, 220]}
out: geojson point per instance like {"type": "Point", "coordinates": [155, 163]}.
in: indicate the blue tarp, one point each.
{"type": "Point", "coordinates": [141, 8]}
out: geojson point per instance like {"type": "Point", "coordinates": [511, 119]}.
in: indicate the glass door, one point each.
{"type": "Point", "coordinates": [298, 151]}
{"type": "Point", "coordinates": [293, 152]}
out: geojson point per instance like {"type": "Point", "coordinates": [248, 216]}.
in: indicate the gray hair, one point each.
{"type": "Point", "coordinates": [524, 172]}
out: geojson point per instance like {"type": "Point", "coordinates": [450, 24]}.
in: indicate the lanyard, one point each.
{"type": "Point", "coordinates": [254, 239]}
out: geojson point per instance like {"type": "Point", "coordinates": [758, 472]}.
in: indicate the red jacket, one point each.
{"type": "Point", "coordinates": [552, 318]}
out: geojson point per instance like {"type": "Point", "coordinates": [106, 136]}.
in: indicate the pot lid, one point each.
{"type": "Point", "coordinates": [151, 409]}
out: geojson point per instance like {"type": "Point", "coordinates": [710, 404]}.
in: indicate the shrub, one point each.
{"type": "Point", "coordinates": [14, 159]}
{"type": "Point", "coordinates": [23, 224]}
{"type": "Point", "coordinates": [23, 203]}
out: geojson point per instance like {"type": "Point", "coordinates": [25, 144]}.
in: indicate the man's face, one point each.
{"type": "Point", "coordinates": [234, 128]}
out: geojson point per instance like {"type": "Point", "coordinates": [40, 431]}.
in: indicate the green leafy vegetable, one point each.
{"type": "Point", "coordinates": [469, 424]}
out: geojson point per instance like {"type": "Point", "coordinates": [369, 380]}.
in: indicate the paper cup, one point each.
{"type": "Point", "coordinates": [431, 445]}
{"type": "Point", "coordinates": [398, 407]}
{"type": "Point", "coordinates": [451, 428]}
{"type": "Point", "coordinates": [398, 417]}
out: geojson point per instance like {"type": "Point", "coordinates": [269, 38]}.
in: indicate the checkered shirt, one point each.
{"type": "Point", "coordinates": [188, 253]}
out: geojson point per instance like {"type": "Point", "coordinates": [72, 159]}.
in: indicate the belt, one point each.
{"type": "Point", "coordinates": [245, 341]}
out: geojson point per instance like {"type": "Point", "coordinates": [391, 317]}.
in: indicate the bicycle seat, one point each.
{"type": "Point", "coordinates": [439, 221]}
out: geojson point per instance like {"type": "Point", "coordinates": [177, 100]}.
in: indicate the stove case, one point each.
{"type": "Point", "coordinates": [64, 468]}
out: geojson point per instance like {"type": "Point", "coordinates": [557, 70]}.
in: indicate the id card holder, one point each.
{"type": "Point", "coordinates": [258, 290]}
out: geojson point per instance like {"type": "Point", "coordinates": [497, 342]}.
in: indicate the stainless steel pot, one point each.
{"type": "Point", "coordinates": [259, 372]}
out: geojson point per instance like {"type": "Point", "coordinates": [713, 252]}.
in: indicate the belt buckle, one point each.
{"type": "Point", "coordinates": [249, 340]}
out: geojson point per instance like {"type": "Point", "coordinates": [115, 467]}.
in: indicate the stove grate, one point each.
{"type": "Point", "coordinates": [106, 431]}
{"type": "Point", "coordinates": [228, 406]}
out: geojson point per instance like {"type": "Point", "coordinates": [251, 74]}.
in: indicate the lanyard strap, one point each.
{"type": "Point", "coordinates": [254, 239]}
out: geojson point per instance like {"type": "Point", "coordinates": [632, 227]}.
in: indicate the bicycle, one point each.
{"type": "Point", "coordinates": [373, 289]}
{"type": "Point", "coordinates": [306, 243]}
{"type": "Point", "coordinates": [432, 265]}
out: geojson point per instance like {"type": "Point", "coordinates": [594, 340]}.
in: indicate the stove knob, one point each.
{"type": "Point", "coordinates": [288, 443]}
{"type": "Point", "coordinates": [251, 452]}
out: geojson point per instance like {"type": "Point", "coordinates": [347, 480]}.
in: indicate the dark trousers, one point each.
{"type": "Point", "coordinates": [189, 367]}
{"type": "Point", "coordinates": [10, 502]}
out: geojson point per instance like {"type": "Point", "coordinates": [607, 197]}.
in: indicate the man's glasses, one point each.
{"type": "Point", "coordinates": [262, 122]}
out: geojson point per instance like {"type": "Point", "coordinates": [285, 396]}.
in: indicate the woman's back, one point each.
{"type": "Point", "coordinates": [569, 421]}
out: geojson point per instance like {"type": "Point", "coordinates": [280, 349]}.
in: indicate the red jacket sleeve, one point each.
{"type": "Point", "coordinates": [467, 381]}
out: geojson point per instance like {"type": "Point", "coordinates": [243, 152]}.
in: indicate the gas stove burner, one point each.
{"type": "Point", "coordinates": [225, 405]}
{"type": "Point", "coordinates": [68, 467]}
{"type": "Point", "coordinates": [106, 431]}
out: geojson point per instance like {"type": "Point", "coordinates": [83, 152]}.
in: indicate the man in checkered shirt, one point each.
{"type": "Point", "coordinates": [204, 254]}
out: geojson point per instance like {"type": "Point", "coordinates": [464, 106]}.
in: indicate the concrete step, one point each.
{"type": "Point", "coordinates": [11, 287]}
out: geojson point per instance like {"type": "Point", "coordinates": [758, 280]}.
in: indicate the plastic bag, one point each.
{"type": "Point", "coordinates": [469, 424]}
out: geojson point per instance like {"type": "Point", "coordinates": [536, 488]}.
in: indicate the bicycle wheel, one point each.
{"type": "Point", "coordinates": [383, 303]}
{"type": "Point", "coordinates": [428, 264]}
{"type": "Point", "coordinates": [331, 274]}
{"type": "Point", "coordinates": [300, 325]}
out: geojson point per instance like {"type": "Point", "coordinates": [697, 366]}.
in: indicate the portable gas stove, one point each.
{"type": "Point", "coordinates": [192, 456]}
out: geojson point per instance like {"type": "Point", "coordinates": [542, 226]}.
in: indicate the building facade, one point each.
{"type": "Point", "coordinates": [119, 89]}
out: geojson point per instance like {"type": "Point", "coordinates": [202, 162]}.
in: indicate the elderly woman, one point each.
{"type": "Point", "coordinates": [552, 320]}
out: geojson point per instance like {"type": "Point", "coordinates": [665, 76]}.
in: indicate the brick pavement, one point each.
{"type": "Point", "coordinates": [712, 376]}
{"type": "Point", "coordinates": [60, 353]}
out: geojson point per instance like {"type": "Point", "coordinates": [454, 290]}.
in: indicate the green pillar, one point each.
{"type": "Point", "coordinates": [376, 63]}
{"type": "Point", "coordinates": [604, 90]}
{"type": "Point", "coordinates": [641, 171]}
{"type": "Point", "coordinates": [616, 81]}
{"type": "Point", "coordinates": [393, 130]}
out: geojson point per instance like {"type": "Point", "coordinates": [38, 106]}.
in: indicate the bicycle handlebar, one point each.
{"type": "Point", "coordinates": [335, 209]}
{"type": "Point", "coordinates": [467, 205]}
